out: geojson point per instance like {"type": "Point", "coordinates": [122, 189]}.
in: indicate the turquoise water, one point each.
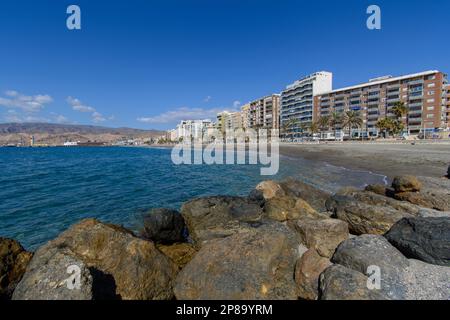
{"type": "Point", "coordinates": [45, 190]}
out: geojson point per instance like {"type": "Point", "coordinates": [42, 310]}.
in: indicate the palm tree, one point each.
{"type": "Point", "coordinates": [314, 128]}
{"type": "Point", "coordinates": [324, 122]}
{"type": "Point", "coordinates": [335, 121]}
{"type": "Point", "coordinates": [400, 110]}
{"type": "Point", "coordinates": [352, 119]}
{"type": "Point", "coordinates": [291, 124]}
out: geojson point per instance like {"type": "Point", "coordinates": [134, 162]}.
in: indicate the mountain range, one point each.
{"type": "Point", "coordinates": [57, 134]}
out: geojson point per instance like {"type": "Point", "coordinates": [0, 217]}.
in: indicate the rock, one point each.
{"type": "Point", "coordinates": [375, 199]}
{"type": "Point", "coordinates": [363, 218]}
{"type": "Point", "coordinates": [341, 283]}
{"type": "Point", "coordinates": [255, 265]}
{"type": "Point", "coordinates": [322, 235]}
{"type": "Point", "coordinates": [218, 217]}
{"type": "Point", "coordinates": [431, 213]}
{"type": "Point", "coordinates": [307, 271]}
{"type": "Point", "coordinates": [289, 208]}
{"type": "Point", "coordinates": [448, 172]}
{"type": "Point", "coordinates": [426, 239]}
{"type": "Point", "coordinates": [163, 226]}
{"type": "Point", "coordinates": [401, 278]}
{"type": "Point", "coordinates": [270, 189]}
{"type": "Point", "coordinates": [314, 196]}
{"type": "Point", "coordinates": [372, 250]}
{"type": "Point", "coordinates": [433, 200]}
{"type": "Point", "coordinates": [126, 267]}
{"type": "Point", "coordinates": [378, 189]}
{"type": "Point", "coordinates": [425, 281]}
{"type": "Point", "coordinates": [406, 184]}
{"type": "Point", "coordinates": [179, 253]}
{"type": "Point", "coordinates": [13, 263]}
{"type": "Point", "coordinates": [56, 275]}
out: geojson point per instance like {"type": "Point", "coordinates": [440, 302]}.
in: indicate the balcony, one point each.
{"type": "Point", "coordinates": [394, 86]}
{"type": "Point", "coordinates": [415, 105]}
{"type": "Point", "coordinates": [414, 82]}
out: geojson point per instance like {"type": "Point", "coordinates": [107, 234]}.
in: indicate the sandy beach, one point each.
{"type": "Point", "coordinates": [390, 159]}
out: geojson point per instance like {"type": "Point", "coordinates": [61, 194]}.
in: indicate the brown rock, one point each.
{"type": "Point", "coordinates": [406, 184]}
{"type": "Point", "coordinates": [179, 253]}
{"type": "Point", "coordinates": [378, 189]}
{"type": "Point", "coordinates": [257, 265]}
{"type": "Point", "coordinates": [298, 189]}
{"type": "Point", "coordinates": [323, 235]}
{"type": "Point", "coordinates": [134, 268]}
{"type": "Point", "coordinates": [307, 272]}
{"type": "Point", "coordinates": [218, 217]}
{"type": "Point", "coordinates": [289, 208]}
{"type": "Point", "coordinates": [270, 189]}
{"type": "Point", "coordinates": [13, 263]}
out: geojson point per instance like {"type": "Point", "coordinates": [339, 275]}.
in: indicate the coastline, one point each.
{"type": "Point", "coordinates": [389, 159]}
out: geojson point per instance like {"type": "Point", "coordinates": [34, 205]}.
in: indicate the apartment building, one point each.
{"type": "Point", "coordinates": [229, 121]}
{"type": "Point", "coordinates": [191, 129]}
{"type": "Point", "coordinates": [297, 100]}
{"type": "Point", "coordinates": [447, 104]}
{"type": "Point", "coordinates": [423, 93]}
{"type": "Point", "coordinates": [262, 113]}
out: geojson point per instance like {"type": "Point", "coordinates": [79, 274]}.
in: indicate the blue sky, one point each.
{"type": "Point", "coordinates": [147, 64]}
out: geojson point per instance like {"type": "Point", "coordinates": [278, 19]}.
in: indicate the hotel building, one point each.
{"type": "Point", "coordinates": [297, 101]}
{"type": "Point", "coordinates": [262, 113]}
{"type": "Point", "coordinates": [423, 93]}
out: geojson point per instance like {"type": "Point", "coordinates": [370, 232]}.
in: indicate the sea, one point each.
{"type": "Point", "coordinates": [43, 191]}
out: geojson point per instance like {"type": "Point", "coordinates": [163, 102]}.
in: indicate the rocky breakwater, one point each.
{"type": "Point", "coordinates": [285, 240]}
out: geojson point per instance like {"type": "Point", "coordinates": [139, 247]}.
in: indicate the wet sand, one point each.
{"type": "Point", "coordinates": [390, 159]}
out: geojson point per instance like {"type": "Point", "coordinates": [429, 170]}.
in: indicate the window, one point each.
{"type": "Point", "coordinates": [429, 116]}
{"type": "Point", "coordinates": [430, 108]}
{"type": "Point", "coordinates": [430, 93]}
{"type": "Point", "coordinates": [431, 85]}
{"type": "Point", "coordinates": [430, 100]}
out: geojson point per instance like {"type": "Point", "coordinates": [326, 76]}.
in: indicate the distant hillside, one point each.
{"type": "Point", "coordinates": [56, 134]}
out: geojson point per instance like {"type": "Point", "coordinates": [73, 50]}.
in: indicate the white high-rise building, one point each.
{"type": "Point", "coordinates": [194, 129]}
{"type": "Point", "coordinates": [297, 100]}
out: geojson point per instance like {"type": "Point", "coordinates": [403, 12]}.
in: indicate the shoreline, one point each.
{"type": "Point", "coordinates": [388, 159]}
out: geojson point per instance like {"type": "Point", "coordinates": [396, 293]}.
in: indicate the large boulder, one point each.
{"type": "Point", "coordinates": [426, 239]}
{"type": "Point", "coordinates": [126, 267]}
{"type": "Point", "coordinates": [406, 184]}
{"type": "Point", "coordinates": [307, 271]}
{"type": "Point", "coordinates": [341, 283]}
{"type": "Point", "coordinates": [163, 226]}
{"type": "Point", "coordinates": [363, 217]}
{"type": "Point", "coordinates": [13, 263]}
{"type": "Point", "coordinates": [401, 278]}
{"type": "Point", "coordinates": [218, 217]}
{"type": "Point", "coordinates": [256, 265]}
{"type": "Point", "coordinates": [289, 208]}
{"type": "Point", "coordinates": [58, 275]}
{"type": "Point", "coordinates": [324, 235]}
{"type": "Point", "coordinates": [179, 253]}
{"type": "Point", "coordinates": [438, 200]}
{"type": "Point", "coordinates": [312, 195]}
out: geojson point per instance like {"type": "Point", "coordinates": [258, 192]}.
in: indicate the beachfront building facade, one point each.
{"type": "Point", "coordinates": [192, 129]}
{"type": "Point", "coordinates": [262, 113]}
{"type": "Point", "coordinates": [447, 106]}
{"type": "Point", "coordinates": [422, 93]}
{"type": "Point", "coordinates": [229, 121]}
{"type": "Point", "coordinates": [297, 101]}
